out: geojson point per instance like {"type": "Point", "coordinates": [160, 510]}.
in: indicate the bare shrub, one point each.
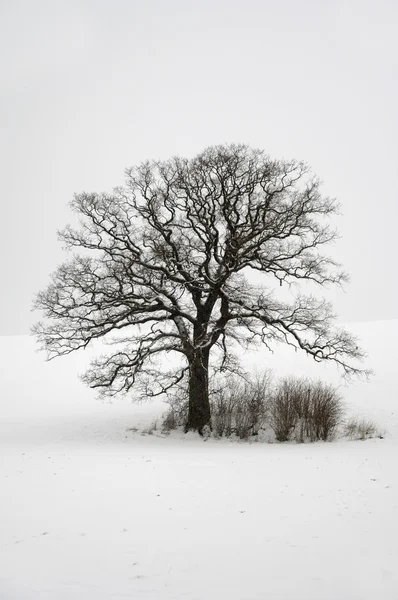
{"type": "Point", "coordinates": [283, 411]}
{"type": "Point", "coordinates": [296, 409]}
{"type": "Point", "coordinates": [258, 392]}
{"type": "Point", "coordinates": [326, 411]}
{"type": "Point", "coordinates": [303, 410]}
{"type": "Point", "coordinates": [239, 406]}
{"type": "Point", "coordinates": [223, 405]}
{"type": "Point", "coordinates": [169, 421]}
{"type": "Point", "coordinates": [361, 429]}
{"type": "Point", "coordinates": [177, 414]}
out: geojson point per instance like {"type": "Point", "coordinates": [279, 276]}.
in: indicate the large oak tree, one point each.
{"type": "Point", "coordinates": [162, 266]}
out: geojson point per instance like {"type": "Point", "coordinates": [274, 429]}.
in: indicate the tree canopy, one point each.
{"type": "Point", "coordinates": [161, 265]}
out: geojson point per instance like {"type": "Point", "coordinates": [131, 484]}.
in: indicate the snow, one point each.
{"type": "Point", "coordinates": [92, 510]}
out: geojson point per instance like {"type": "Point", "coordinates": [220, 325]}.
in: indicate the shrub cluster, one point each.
{"type": "Point", "coordinates": [294, 409]}
{"type": "Point", "coordinates": [304, 410]}
{"type": "Point", "coordinates": [239, 406]}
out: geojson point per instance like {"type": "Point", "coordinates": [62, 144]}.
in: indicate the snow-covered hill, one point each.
{"type": "Point", "coordinates": [92, 510]}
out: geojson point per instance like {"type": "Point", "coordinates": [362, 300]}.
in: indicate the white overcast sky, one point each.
{"type": "Point", "coordinates": [89, 87]}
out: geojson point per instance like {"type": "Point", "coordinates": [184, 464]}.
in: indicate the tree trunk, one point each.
{"type": "Point", "coordinates": [199, 406]}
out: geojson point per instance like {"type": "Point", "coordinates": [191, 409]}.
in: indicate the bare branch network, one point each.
{"type": "Point", "coordinates": [168, 263]}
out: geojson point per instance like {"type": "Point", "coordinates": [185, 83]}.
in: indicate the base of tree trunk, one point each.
{"type": "Point", "coordinates": [199, 421]}
{"type": "Point", "coordinates": [204, 430]}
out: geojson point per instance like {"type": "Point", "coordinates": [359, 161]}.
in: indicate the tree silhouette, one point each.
{"type": "Point", "coordinates": [163, 268]}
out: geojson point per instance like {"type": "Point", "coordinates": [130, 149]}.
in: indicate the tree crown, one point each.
{"type": "Point", "coordinates": [168, 263]}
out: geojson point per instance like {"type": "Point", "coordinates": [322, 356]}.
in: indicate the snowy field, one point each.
{"type": "Point", "coordinates": [92, 510]}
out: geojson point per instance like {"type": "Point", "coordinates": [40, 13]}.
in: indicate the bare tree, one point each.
{"type": "Point", "coordinates": [164, 261]}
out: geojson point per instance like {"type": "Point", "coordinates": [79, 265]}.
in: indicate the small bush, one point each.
{"type": "Point", "coordinates": [283, 410]}
{"type": "Point", "coordinates": [223, 407]}
{"type": "Point", "coordinates": [239, 406]}
{"type": "Point", "coordinates": [169, 421]}
{"type": "Point", "coordinates": [357, 429]}
{"type": "Point", "coordinates": [295, 409]}
{"type": "Point", "coordinates": [177, 414]}
{"type": "Point", "coordinates": [326, 411]}
{"type": "Point", "coordinates": [303, 410]}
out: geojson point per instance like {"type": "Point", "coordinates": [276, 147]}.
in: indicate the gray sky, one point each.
{"type": "Point", "coordinates": [89, 87]}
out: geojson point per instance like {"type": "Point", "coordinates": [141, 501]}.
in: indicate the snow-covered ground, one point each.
{"type": "Point", "coordinates": [92, 510]}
